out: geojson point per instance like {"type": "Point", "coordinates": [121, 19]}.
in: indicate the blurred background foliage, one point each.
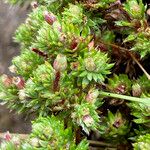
{"type": "Point", "coordinates": [10, 18]}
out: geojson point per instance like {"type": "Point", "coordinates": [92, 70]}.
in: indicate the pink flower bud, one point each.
{"type": "Point", "coordinates": [91, 44]}
{"type": "Point", "coordinates": [118, 123]}
{"type": "Point", "coordinates": [88, 120]}
{"type": "Point", "coordinates": [121, 89]}
{"type": "Point", "coordinates": [60, 63]}
{"type": "Point", "coordinates": [7, 81]}
{"type": "Point", "coordinates": [49, 17]}
{"type": "Point", "coordinates": [92, 96]}
{"type": "Point", "coordinates": [19, 82]}
{"type": "Point", "coordinates": [90, 64]}
{"type": "Point", "coordinates": [7, 136]}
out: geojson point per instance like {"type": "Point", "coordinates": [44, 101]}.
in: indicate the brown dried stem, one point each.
{"type": "Point", "coordinates": [131, 55]}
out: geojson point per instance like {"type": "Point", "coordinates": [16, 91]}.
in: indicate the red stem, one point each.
{"type": "Point", "coordinates": [40, 53]}
{"type": "Point", "coordinates": [56, 81]}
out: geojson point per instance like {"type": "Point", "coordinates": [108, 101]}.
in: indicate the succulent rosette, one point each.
{"type": "Point", "coordinates": [93, 67]}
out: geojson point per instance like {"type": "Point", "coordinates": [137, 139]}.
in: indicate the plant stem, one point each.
{"type": "Point", "coordinates": [101, 144]}
{"type": "Point", "coordinates": [141, 67]}
{"type": "Point", "coordinates": [131, 55]}
{"type": "Point", "coordinates": [124, 97]}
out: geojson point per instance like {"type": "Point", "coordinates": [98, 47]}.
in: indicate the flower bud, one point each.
{"type": "Point", "coordinates": [88, 120]}
{"type": "Point", "coordinates": [22, 94]}
{"type": "Point", "coordinates": [118, 122]}
{"type": "Point", "coordinates": [62, 38]}
{"type": "Point", "coordinates": [49, 17]}
{"type": "Point", "coordinates": [19, 82]}
{"type": "Point", "coordinates": [74, 65]}
{"type": "Point", "coordinates": [13, 69]}
{"type": "Point", "coordinates": [92, 96]}
{"type": "Point", "coordinates": [121, 89]}
{"type": "Point", "coordinates": [136, 90]}
{"type": "Point", "coordinates": [91, 45]}
{"type": "Point", "coordinates": [148, 11]}
{"type": "Point", "coordinates": [34, 4]}
{"type": "Point", "coordinates": [7, 81]}
{"type": "Point", "coordinates": [60, 63]}
{"type": "Point", "coordinates": [7, 136]}
{"type": "Point", "coordinates": [16, 140]}
{"type": "Point", "coordinates": [34, 142]}
{"type": "Point", "coordinates": [135, 8]}
{"type": "Point", "coordinates": [57, 26]}
{"type": "Point", "coordinates": [74, 44]}
{"type": "Point", "coordinates": [90, 64]}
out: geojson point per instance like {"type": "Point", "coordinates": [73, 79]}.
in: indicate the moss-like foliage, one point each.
{"type": "Point", "coordinates": [78, 64]}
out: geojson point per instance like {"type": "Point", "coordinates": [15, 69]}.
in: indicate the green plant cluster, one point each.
{"type": "Point", "coordinates": [45, 136]}
{"type": "Point", "coordinates": [80, 72]}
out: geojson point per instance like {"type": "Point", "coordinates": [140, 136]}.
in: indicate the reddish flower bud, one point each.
{"type": "Point", "coordinates": [121, 89]}
{"type": "Point", "coordinates": [7, 81]}
{"type": "Point", "coordinates": [91, 45]}
{"type": "Point", "coordinates": [74, 44]}
{"type": "Point", "coordinates": [19, 82]}
{"type": "Point", "coordinates": [34, 4]}
{"type": "Point", "coordinates": [7, 136]}
{"type": "Point", "coordinates": [90, 64]}
{"type": "Point", "coordinates": [118, 123]}
{"type": "Point", "coordinates": [88, 120]}
{"type": "Point", "coordinates": [49, 17]}
{"type": "Point", "coordinates": [102, 47]}
{"type": "Point", "coordinates": [60, 63]}
{"type": "Point", "coordinates": [74, 65]}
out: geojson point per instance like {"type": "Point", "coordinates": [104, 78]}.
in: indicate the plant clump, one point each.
{"type": "Point", "coordinates": [83, 72]}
